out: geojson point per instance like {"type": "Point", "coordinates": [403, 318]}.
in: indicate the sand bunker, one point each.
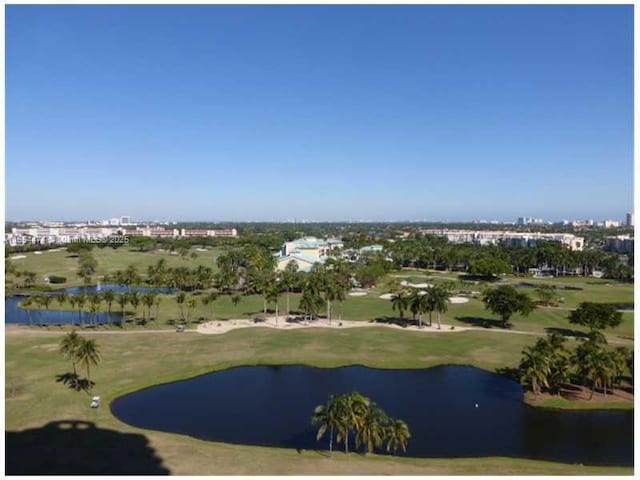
{"type": "Point", "coordinates": [357, 294]}
{"type": "Point", "coordinates": [458, 300]}
{"type": "Point", "coordinates": [387, 296]}
{"type": "Point", "coordinates": [18, 257]}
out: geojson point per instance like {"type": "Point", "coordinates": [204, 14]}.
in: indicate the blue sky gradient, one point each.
{"type": "Point", "coordinates": [319, 112]}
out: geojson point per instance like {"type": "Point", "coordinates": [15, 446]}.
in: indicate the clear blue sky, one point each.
{"type": "Point", "coordinates": [319, 112]}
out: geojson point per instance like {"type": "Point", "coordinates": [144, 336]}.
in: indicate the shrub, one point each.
{"type": "Point", "coordinates": [57, 279]}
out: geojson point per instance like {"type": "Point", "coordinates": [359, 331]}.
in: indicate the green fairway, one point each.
{"type": "Point", "coordinates": [134, 361]}
{"type": "Point", "coordinates": [61, 263]}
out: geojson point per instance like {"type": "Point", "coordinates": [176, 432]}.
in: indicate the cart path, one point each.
{"type": "Point", "coordinates": [221, 327]}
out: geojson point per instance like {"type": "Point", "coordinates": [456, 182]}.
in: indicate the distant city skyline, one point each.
{"type": "Point", "coordinates": [326, 113]}
{"type": "Point", "coordinates": [538, 220]}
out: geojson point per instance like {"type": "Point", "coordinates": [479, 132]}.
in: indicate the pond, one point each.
{"type": "Point", "coordinates": [14, 314]}
{"type": "Point", "coordinates": [272, 406]}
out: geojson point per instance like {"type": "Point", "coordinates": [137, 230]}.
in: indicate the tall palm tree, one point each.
{"type": "Point", "coordinates": [416, 304]}
{"type": "Point", "coordinates": [123, 300]}
{"type": "Point", "coordinates": [134, 300]}
{"type": "Point", "coordinates": [273, 295]}
{"type": "Point", "coordinates": [328, 417]}
{"type": "Point", "coordinates": [147, 301]}
{"type": "Point", "coordinates": [397, 435]}
{"type": "Point", "coordinates": [88, 354]}
{"type": "Point", "coordinates": [81, 301]}
{"type": "Point", "coordinates": [371, 433]}
{"type": "Point", "coordinates": [400, 303]}
{"type": "Point", "coordinates": [438, 297]}
{"type": "Point", "coordinates": [310, 303]}
{"type": "Point", "coordinates": [72, 301]}
{"type": "Point", "coordinates": [157, 303]}
{"type": "Point", "coordinates": [181, 298]}
{"type": "Point", "coordinates": [26, 304]}
{"type": "Point", "coordinates": [45, 301]}
{"type": "Point", "coordinates": [68, 348]}
{"type": "Point", "coordinates": [62, 298]}
{"type": "Point", "coordinates": [353, 408]}
{"type": "Point", "coordinates": [109, 297]}
{"type": "Point", "coordinates": [190, 304]}
{"type": "Point", "coordinates": [535, 368]}
{"type": "Point", "coordinates": [95, 300]}
{"type": "Point", "coordinates": [288, 279]}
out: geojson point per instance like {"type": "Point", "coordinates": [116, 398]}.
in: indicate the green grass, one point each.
{"type": "Point", "coordinates": [563, 403]}
{"type": "Point", "coordinates": [109, 260]}
{"type": "Point", "coordinates": [371, 307]}
{"type": "Point", "coordinates": [131, 362]}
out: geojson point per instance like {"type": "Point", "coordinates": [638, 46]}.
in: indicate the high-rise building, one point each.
{"type": "Point", "coordinates": [630, 220]}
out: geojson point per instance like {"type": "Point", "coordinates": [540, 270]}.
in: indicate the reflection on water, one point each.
{"type": "Point", "coordinates": [15, 314]}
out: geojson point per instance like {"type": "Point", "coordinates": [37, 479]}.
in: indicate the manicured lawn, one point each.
{"type": "Point", "coordinates": [370, 307]}
{"type": "Point", "coordinates": [109, 260]}
{"type": "Point", "coordinates": [134, 361]}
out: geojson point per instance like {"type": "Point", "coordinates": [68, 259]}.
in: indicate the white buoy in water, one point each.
{"type": "Point", "coordinates": [476, 405]}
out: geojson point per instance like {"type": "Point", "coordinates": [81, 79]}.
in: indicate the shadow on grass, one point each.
{"type": "Point", "coordinates": [77, 447]}
{"type": "Point", "coordinates": [478, 278]}
{"type": "Point", "coordinates": [74, 382]}
{"type": "Point", "coordinates": [566, 332]}
{"type": "Point", "coordinates": [482, 322]}
{"type": "Point", "coordinates": [402, 322]}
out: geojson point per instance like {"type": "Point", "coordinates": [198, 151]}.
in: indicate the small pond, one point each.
{"type": "Point", "coordinates": [272, 406]}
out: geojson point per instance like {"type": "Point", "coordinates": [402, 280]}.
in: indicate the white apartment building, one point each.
{"type": "Point", "coordinates": [524, 239]}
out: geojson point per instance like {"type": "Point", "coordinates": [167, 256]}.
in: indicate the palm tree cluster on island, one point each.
{"type": "Point", "coordinates": [352, 415]}
{"type": "Point", "coordinates": [548, 364]}
{"type": "Point", "coordinates": [81, 352]}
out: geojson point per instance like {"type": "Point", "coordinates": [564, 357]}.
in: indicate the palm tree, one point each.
{"type": "Point", "coordinates": [328, 417]}
{"type": "Point", "coordinates": [400, 302]}
{"type": "Point", "coordinates": [157, 302]}
{"type": "Point", "coordinates": [72, 302]}
{"type": "Point", "coordinates": [181, 297]}
{"type": "Point", "coordinates": [123, 299]}
{"type": "Point", "coordinates": [353, 408]}
{"type": "Point", "coordinates": [147, 301]}
{"type": "Point", "coordinates": [438, 298]}
{"type": "Point", "coordinates": [289, 279]}
{"type": "Point", "coordinates": [68, 348]}
{"type": "Point", "coordinates": [371, 433]}
{"type": "Point", "coordinates": [109, 297]}
{"type": "Point", "coordinates": [45, 301]}
{"type": "Point", "coordinates": [273, 294]}
{"type": "Point", "coordinates": [397, 435]}
{"type": "Point", "coordinates": [26, 304]}
{"type": "Point", "coordinates": [88, 354]}
{"type": "Point", "coordinates": [310, 303]}
{"type": "Point", "coordinates": [134, 300]}
{"type": "Point", "coordinates": [81, 301]}
{"type": "Point", "coordinates": [535, 368]}
{"type": "Point", "coordinates": [61, 299]}
{"type": "Point", "coordinates": [191, 304]}
{"type": "Point", "coordinates": [416, 305]}
{"type": "Point", "coordinates": [95, 300]}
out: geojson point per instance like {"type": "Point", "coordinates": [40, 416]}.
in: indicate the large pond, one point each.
{"type": "Point", "coordinates": [14, 314]}
{"type": "Point", "coordinates": [272, 406]}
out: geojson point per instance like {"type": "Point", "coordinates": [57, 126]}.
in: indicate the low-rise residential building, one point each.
{"type": "Point", "coordinates": [306, 252]}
